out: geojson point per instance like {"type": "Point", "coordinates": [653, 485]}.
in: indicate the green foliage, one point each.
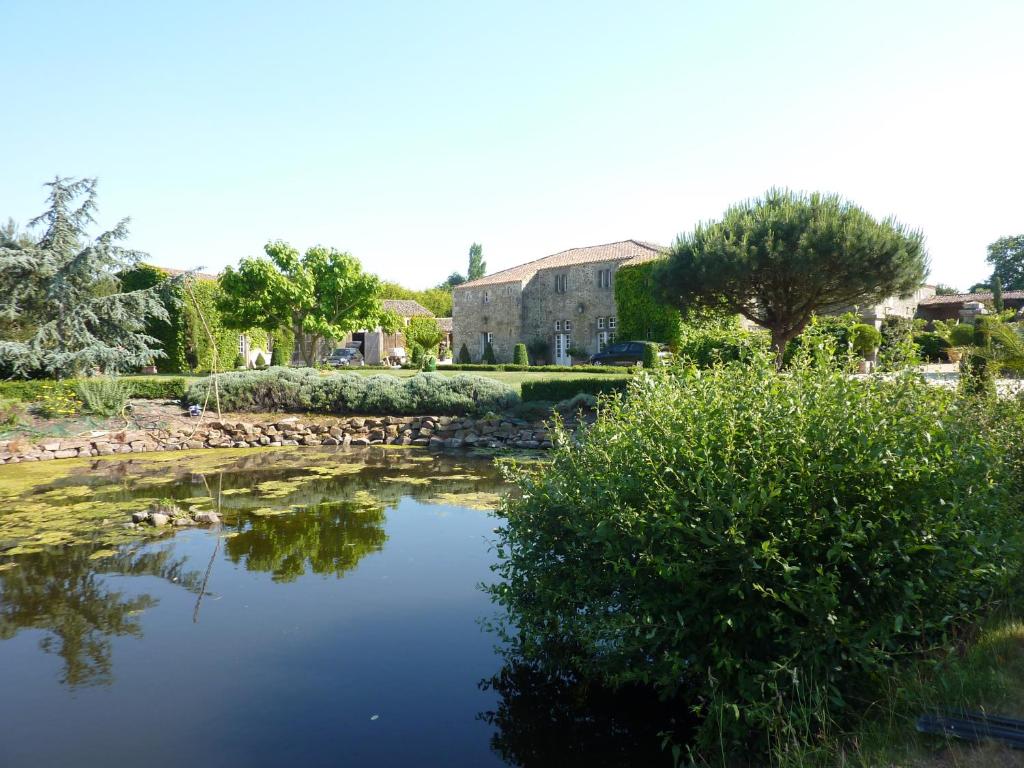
{"type": "Point", "coordinates": [261, 361]}
{"type": "Point", "coordinates": [640, 314]}
{"type": "Point", "coordinates": [520, 356]}
{"type": "Point", "coordinates": [602, 369]}
{"type": "Point", "coordinates": [539, 350]}
{"type": "Point", "coordinates": [103, 395]}
{"type": "Point", "coordinates": [945, 290]}
{"type": "Point", "coordinates": [650, 357]}
{"type": "Point", "coordinates": [305, 389]}
{"type": "Point", "coordinates": [977, 377]}
{"type": "Point", "coordinates": [140, 388]}
{"type": "Point", "coordinates": [464, 357]}
{"type": "Point", "coordinates": [239, 361]}
{"type": "Point", "coordinates": [279, 355]}
{"type": "Point", "coordinates": [780, 259]}
{"type": "Point", "coordinates": [865, 339]}
{"type": "Point", "coordinates": [932, 347]}
{"type": "Point", "coordinates": [826, 340]}
{"type": "Point", "coordinates": [997, 292]}
{"type": "Point", "coordinates": [430, 363]}
{"type": "Point", "coordinates": [489, 358]}
{"type": "Point", "coordinates": [557, 390]}
{"type": "Point", "coordinates": [477, 265]}
{"type": "Point", "coordinates": [11, 412]}
{"type": "Point", "coordinates": [63, 310]}
{"type": "Point", "coordinates": [56, 399]}
{"type": "Point", "coordinates": [961, 335]}
{"type": "Point", "coordinates": [425, 334]}
{"type": "Point", "coordinates": [1006, 255]}
{"type": "Point", "coordinates": [437, 300]}
{"type": "Point", "coordinates": [715, 339]}
{"type": "Point", "coordinates": [756, 545]}
{"type": "Point", "coordinates": [321, 294]}
{"type": "Point", "coordinates": [898, 350]}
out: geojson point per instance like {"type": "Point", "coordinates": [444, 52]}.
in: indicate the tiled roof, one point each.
{"type": "Point", "coordinates": [445, 323]}
{"type": "Point", "coordinates": [961, 298]}
{"type": "Point", "coordinates": [626, 251]}
{"type": "Point", "coordinates": [406, 308]}
{"type": "Point", "coordinates": [175, 272]}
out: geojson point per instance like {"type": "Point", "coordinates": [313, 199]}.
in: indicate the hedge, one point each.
{"type": "Point", "coordinates": [604, 369]}
{"type": "Point", "coordinates": [307, 390]}
{"type": "Point", "coordinates": [640, 315]}
{"type": "Point", "coordinates": [556, 390]}
{"type": "Point", "coordinates": [29, 390]}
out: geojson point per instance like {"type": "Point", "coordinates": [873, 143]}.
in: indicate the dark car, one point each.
{"type": "Point", "coordinates": [345, 356]}
{"type": "Point", "coordinates": [623, 353]}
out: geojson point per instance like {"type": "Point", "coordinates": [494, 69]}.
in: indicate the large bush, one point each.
{"type": "Point", "coordinates": [760, 547]}
{"type": "Point", "coordinates": [710, 341]}
{"type": "Point", "coordinates": [306, 389]}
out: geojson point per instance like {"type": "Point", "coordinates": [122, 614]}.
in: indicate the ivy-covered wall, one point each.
{"type": "Point", "coordinates": [184, 339]}
{"type": "Point", "coordinates": [640, 316]}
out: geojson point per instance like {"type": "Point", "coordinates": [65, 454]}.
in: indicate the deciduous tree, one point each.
{"type": "Point", "coordinates": [780, 259]}
{"type": "Point", "coordinates": [1006, 255]}
{"type": "Point", "coordinates": [321, 294]}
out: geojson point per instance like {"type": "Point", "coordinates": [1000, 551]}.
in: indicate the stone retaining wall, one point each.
{"type": "Point", "coordinates": [434, 432]}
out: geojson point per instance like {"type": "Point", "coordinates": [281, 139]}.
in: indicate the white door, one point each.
{"type": "Point", "coordinates": [562, 343]}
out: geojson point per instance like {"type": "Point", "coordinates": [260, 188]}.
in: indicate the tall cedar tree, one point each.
{"type": "Point", "coordinates": [779, 260]}
{"type": "Point", "coordinates": [321, 295]}
{"type": "Point", "coordinates": [62, 310]}
{"type": "Point", "coordinates": [477, 265]}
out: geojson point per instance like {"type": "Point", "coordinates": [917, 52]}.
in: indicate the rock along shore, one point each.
{"type": "Point", "coordinates": [434, 432]}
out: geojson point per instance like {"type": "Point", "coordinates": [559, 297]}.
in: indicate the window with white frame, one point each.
{"type": "Point", "coordinates": [567, 325]}
{"type": "Point", "coordinates": [603, 340]}
{"type": "Point", "coordinates": [600, 323]}
{"type": "Point", "coordinates": [558, 325]}
{"type": "Point", "coordinates": [611, 323]}
{"type": "Point", "coordinates": [561, 283]}
{"type": "Point", "coordinates": [490, 337]}
{"type": "Point", "coordinates": [604, 278]}
{"type": "Point", "coordinates": [241, 343]}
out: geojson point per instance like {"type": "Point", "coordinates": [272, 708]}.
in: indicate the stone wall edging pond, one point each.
{"type": "Point", "coordinates": [433, 432]}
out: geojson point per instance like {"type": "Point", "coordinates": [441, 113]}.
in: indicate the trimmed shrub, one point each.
{"type": "Point", "coordinates": [103, 395]}
{"type": "Point", "coordinates": [932, 347]}
{"type": "Point", "coordinates": [614, 369]}
{"type": "Point", "coordinates": [239, 361]}
{"type": "Point", "coordinates": [429, 363]}
{"type": "Point", "coordinates": [539, 350]}
{"type": "Point", "coordinates": [464, 357]}
{"type": "Point", "coordinates": [277, 354]}
{"type": "Point", "coordinates": [865, 339]}
{"type": "Point", "coordinates": [142, 388]}
{"type": "Point", "coordinates": [489, 354]}
{"type": "Point", "coordinates": [305, 389]}
{"type": "Point", "coordinates": [557, 390]}
{"type": "Point", "coordinates": [520, 356]}
{"type": "Point", "coordinates": [754, 548]}
{"type": "Point", "coordinates": [261, 361]}
{"type": "Point", "coordinates": [651, 355]}
{"type": "Point", "coordinates": [961, 335]}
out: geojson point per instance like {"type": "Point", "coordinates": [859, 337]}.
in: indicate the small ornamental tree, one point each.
{"type": "Point", "coordinates": [62, 307]}
{"type": "Point", "coordinates": [865, 339]}
{"type": "Point", "coordinates": [464, 358]}
{"type": "Point", "coordinates": [650, 358]}
{"type": "Point", "coordinates": [778, 260]}
{"type": "Point", "coordinates": [277, 354]}
{"type": "Point", "coordinates": [489, 357]}
{"type": "Point", "coordinates": [424, 333]}
{"type": "Point", "coordinates": [321, 294]}
{"type": "Point", "coordinates": [519, 355]}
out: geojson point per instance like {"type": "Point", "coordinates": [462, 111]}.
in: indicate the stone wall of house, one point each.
{"type": "Point", "coordinates": [494, 309]}
{"type": "Point", "coordinates": [582, 303]}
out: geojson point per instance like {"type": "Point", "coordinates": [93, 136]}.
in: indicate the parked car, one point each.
{"type": "Point", "coordinates": [625, 353]}
{"type": "Point", "coordinates": [344, 357]}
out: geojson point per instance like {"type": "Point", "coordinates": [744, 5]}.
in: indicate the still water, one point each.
{"type": "Point", "coordinates": [333, 619]}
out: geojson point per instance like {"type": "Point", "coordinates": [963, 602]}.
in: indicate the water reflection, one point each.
{"type": "Point", "coordinates": [63, 593]}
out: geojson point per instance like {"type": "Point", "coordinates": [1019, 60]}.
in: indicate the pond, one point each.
{"type": "Point", "coordinates": [334, 618]}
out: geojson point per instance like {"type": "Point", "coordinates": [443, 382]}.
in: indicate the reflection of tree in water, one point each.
{"type": "Point", "coordinates": [549, 716]}
{"type": "Point", "coordinates": [331, 538]}
{"type": "Point", "coordinates": [63, 593]}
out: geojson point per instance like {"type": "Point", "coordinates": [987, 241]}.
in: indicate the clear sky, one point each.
{"type": "Point", "coordinates": [403, 132]}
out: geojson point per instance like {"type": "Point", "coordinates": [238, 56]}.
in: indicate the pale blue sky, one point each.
{"type": "Point", "coordinates": [402, 132]}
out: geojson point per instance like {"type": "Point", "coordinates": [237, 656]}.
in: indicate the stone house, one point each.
{"type": "Point", "coordinates": [375, 344]}
{"type": "Point", "coordinates": [566, 300]}
{"type": "Point", "coordinates": [956, 306]}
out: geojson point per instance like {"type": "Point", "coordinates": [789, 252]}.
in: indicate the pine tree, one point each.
{"type": "Point", "coordinates": [62, 311]}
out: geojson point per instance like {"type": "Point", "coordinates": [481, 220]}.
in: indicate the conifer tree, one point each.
{"type": "Point", "coordinates": [62, 310]}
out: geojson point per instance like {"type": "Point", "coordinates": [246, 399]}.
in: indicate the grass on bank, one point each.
{"type": "Point", "coordinates": [984, 674]}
